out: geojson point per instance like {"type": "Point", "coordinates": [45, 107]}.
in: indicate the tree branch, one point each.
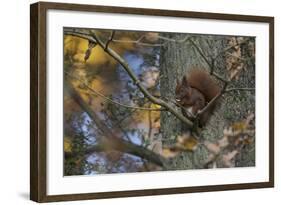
{"type": "Point", "coordinates": [215, 99]}
{"type": "Point", "coordinates": [212, 102]}
{"type": "Point", "coordinates": [130, 72]}
{"type": "Point", "coordinates": [239, 89]}
{"type": "Point", "coordinates": [110, 39]}
{"type": "Point", "coordinates": [152, 44]}
{"type": "Point", "coordinates": [93, 37]}
{"type": "Point", "coordinates": [225, 81]}
{"type": "Point", "coordinates": [231, 47]}
{"type": "Point", "coordinates": [109, 99]}
{"type": "Point", "coordinates": [210, 64]}
{"type": "Point", "coordinates": [80, 35]}
{"type": "Point", "coordinates": [139, 43]}
{"type": "Point", "coordinates": [110, 140]}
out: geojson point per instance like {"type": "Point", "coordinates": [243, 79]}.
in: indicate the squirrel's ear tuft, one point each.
{"type": "Point", "coordinates": [184, 80]}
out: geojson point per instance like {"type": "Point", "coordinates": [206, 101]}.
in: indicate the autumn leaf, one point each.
{"type": "Point", "coordinates": [228, 158]}
{"type": "Point", "coordinates": [184, 143]}
{"type": "Point", "coordinates": [212, 147]}
{"type": "Point", "coordinates": [249, 118]}
{"type": "Point", "coordinates": [223, 142]}
{"type": "Point", "coordinates": [91, 45]}
{"type": "Point", "coordinates": [67, 144]}
{"type": "Point", "coordinates": [234, 64]}
{"type": "Point", "coordinates": [187, 143]}
{"type": "Point", "coordinates": [240, 126]}
{"type": "Point", "coordinates": [169, 152]}
{"type": "Point", "coordinates": [235, 137]}
{"type": "Point", "coordinates": [151, 36]}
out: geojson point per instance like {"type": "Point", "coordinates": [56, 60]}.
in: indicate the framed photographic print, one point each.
{"type": "Point", "coordinates": [133, 102]}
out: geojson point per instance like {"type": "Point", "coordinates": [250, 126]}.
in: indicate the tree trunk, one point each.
{"type": "Point", "coordinates": [175, 60]}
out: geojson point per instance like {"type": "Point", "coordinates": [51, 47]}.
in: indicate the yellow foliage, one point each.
{"type": "Point", "coordinates": [155, 106]}
{"type": "Point", "coordinates": [169, 152]}
{"type": "Point", "coordinates": [76, 47]}
{"type": "Point", "coordinates": [187, 142]}
{"type": "Point", "coordinates": [67, 144]}
{"type": "Point", "coordinates": [190, 144]}
{"type": "Point", "coordinates": [71, 44]}
{"type": "Point", "coordinates": [239, 126]}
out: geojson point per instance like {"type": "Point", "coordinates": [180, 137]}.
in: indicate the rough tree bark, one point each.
{"type": "Point", "coordinates": [175, 60]}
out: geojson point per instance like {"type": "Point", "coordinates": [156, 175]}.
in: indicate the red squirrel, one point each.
{"type": "Point", "coordinates": [195, 91]}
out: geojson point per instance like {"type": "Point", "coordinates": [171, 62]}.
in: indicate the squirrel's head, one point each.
{"type": "Point", "coordinates": [182, 90]}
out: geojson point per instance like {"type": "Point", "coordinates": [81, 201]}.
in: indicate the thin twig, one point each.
{"type": "Point", "coordinates": [231, 47]}
{"type": "Point", "coordinates": [139, 41]}
{"type": "Point", "coordinates": [239, 89]}
{"type": "Point", "coordinates": [200, 52]}
{"type": "Point", "coordinates": [220, 78]}
{"type": "Point", "coordinates": [225, 81]}
{"type": "Point", "coordinates": [113, 117]}
{"type": "Point", "coordinates": [109, 40]}
{"type": "Point", "coordinates": [223, 91]}
{"type": "Point", "coordinates": [174, 40]}
{"type": "Point", "coordinates": [110, 140]}
{"type": "Point", "coordinates": [149, 125]}
{"type": "Point", "coordinates": [210, 64]}
{"type": "Point", "coordinates": [110, 100]}
{"type": "Point", "coordinates": [145, 92]}
{"type": "Point", "coordinates": [124, 118]}
{"type": "Point", "coordinates": [239, 58]}
{"type": "Point", "coordinates": [212, 102]}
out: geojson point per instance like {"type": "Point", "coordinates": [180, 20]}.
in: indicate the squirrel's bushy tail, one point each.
{"type": "Point", "coordinates": [201, 80]}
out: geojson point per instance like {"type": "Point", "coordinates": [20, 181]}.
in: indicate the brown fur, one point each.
{"type": "Point", "coordinates": [195, 90]}
{"type": "Point", "coordinates": [202, 81]}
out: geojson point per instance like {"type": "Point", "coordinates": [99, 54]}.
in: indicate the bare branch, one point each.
{"type": "Point", "coordinates": [124, 118]}
{"type": "Point", "coordinates": [110, 100]}
{"type": "Point", "coordinates": [149, 125]}
{"type": "Point", "coordinates": [212, 102]}
{"type": "Point", "coordinates": [239, 89]}
{"type": "Point", "coordinates": [92, 36]}
{"type": "Point", "coordinates": [215, 99]}
{"type": "Point", "coordinates": [220, 78]}
{"type": "Point", "coordinates": [210, 64]}
{"type": "Point", "coordinates": [139, 41]}
{"type": "Point", "coordinates": [130, 72]}
{"type": "Point", "coordinates": [110, 39]}
{"type": "Point", "coordinates": [225, 81]}
{"type": "Point", "coordinates": [125, 65]}
{"type": "Point", "coordinates": [231, 47]}
{"type": "Point", "coordinates": [174, 40]}
{"type": "Point", "coordinates": [110, 140]}
{"type": "Point", "coordinates": [201, 53]}
{"type": "Point", "coordinates": [73, 32]}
